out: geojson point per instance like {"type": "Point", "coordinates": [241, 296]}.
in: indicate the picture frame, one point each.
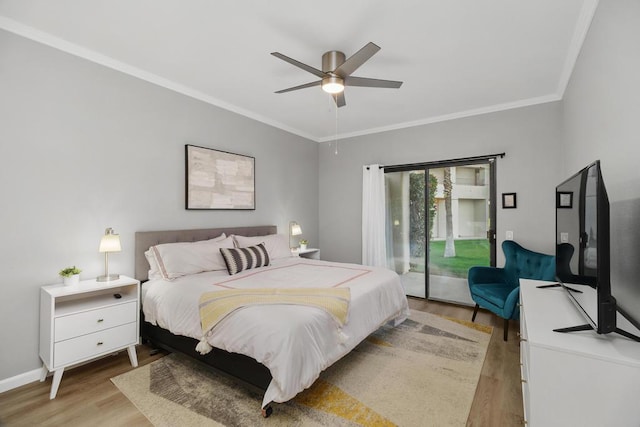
{"type": "Point", "coordinates": [564, 199]}
{"type": "Point", "coordinates": [216, 179]}
{"type": "Point", "coordinates": [509, 201]}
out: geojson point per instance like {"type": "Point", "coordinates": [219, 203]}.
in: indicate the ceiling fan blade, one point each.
{"type": "Point", "coordinates": [339, 98]}
{"type": "Point", "coordinates": [356, 60]}
{"type": "Point", "coordinates": [299, 64]}
{"type": "Point", "coordinates": [304, 86]}
{"type": "Point", "coordinates": [367, 82]}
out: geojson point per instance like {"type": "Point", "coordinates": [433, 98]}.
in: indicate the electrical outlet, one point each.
{"type": "Point", "coordinates": [564, 237]}
{"type": "Point", "coordinates": [509, 235]}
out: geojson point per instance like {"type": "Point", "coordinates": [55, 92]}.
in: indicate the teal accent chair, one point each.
{"type": "Point", "coordinates": [498, 289]}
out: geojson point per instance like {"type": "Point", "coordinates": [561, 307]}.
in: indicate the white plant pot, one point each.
{"type": "Point", "coordinates": [303, 247]}
{"type": "Point", "coordinates": [71, 280]}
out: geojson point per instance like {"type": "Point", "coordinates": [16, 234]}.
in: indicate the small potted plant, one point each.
{"type": "Point", "coordinates": [70, 275]}
{"type": "Point", "coordinates": [303, 244]}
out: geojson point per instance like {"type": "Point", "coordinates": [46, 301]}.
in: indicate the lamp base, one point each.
{"type": "Point", "coordinates": [107, 278]}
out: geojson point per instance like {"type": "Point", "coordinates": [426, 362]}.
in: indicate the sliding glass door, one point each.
{"type": "Point", "coordinates": [407, 222]}
{"type": "Point", "coordinates": [441, 218]}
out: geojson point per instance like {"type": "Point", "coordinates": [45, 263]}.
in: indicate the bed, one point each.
{"type": "Point", "coordinates": [275, 347]}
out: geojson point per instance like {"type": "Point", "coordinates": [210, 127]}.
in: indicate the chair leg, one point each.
{"type": "Point", "coordinates": [475, 311]}
{"type": "Point", "coordinates": [506, 328]}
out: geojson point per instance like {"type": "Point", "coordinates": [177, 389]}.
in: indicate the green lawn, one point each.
{"type": "Point", "coordinates": [468, 254]}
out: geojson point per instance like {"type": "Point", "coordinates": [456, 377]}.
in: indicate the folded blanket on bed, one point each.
{"type": "Point", "coordinates": [215, 306]}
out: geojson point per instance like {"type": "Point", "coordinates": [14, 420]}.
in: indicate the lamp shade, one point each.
{"type": "Point", "coordinates": [296, 230]}
{"type": "Point", "coordinates": [110, 242]}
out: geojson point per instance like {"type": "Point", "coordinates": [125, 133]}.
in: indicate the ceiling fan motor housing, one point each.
{"type": "Point", "coordinates": [332, 60]}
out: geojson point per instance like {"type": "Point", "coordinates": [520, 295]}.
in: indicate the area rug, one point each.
{"type": "Point", "coordinates": [421, 373]}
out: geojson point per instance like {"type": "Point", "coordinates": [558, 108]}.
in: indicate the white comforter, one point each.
{"type": "Point", "coordinates": [294, 342]}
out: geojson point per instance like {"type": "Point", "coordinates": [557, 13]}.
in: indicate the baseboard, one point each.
{"type": "Point", "coordinates": [20, 380]}
{"type": "Point", "coordinates": [32, 376]}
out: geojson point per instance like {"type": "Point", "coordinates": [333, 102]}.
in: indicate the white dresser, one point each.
{"type": "Point", "coordinates": [85, 321]}
{"type": "Point", "coordinates": [578, 378]}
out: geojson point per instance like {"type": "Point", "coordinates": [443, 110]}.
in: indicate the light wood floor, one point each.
{"type": "Point", "coordinates": [498, 399]}
{"type": "Point", "coordinates": [88, 398]}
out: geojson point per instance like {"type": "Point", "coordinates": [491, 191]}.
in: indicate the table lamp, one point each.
{"type": "Point", "coordinates": [110, 242]}
{"type": "Point", "coordinates": [294, 230]}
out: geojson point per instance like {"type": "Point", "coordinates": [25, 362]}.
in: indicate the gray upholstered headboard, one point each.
{"type": "Point", "coordinates": [146, 239]}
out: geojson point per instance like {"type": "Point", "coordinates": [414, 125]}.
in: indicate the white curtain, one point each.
{"type": "Point", "coordinates": [374, 247]}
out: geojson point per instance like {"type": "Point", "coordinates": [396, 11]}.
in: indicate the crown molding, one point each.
{"type": "Point", "coordinates": [446, 117]}
{"type": "Point", "coordinates": [579, 34]}
{"type": "Point", "coordinates": [107, 61]}
{"type": "Point", "coordinates": [582, 26]}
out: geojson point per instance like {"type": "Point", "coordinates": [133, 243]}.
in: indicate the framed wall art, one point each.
{"type": "Point", "coordinates": [218, 179]}
{"type": "Point", "coordinates": [509, 201]}
{"type": "Point", "coordinates": [564, 199]}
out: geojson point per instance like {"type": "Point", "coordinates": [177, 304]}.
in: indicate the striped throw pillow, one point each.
{"type": "Point", "coordinates": [240, 259]}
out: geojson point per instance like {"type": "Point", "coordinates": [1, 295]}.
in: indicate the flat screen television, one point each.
{"type": "Point", "coordinates": [583, 249]}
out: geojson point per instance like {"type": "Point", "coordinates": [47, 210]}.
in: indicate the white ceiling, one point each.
{"type": "Point", "coordinates": [456, 57]}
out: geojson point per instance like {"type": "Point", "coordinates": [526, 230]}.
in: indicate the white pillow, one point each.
{"type": "Point", "coordinates": [220, 238]}
{"type": "Point", "coordinates": [154, 269]}
{"type": "Point", "coordinates": [180, 259]}
{"type": "Point", "coordinates": [277, 245]}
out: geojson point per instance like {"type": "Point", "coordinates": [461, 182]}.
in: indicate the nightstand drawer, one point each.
{"type": "Point", "coordinates": [75, 325]}
{"type": "Point", "coordinates": [88, 346]}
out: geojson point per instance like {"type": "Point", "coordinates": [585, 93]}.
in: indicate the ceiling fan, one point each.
{"type": "Point", "coordinates": [336, 72]}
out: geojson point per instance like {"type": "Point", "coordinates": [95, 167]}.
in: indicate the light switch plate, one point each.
{"type": "Point", "coordinates": [509, 235]}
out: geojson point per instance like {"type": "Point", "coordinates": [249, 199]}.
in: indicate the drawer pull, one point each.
{"type": "Point", "coordinates": [100, 343]}
{"type": "Point", "coordinates": [100, 320]}
{"type": "Point", "coordinates": [523, 339]}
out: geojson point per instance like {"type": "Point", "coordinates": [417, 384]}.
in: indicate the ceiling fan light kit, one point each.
{"type": "Point", "coordinates": [336, 72]}
{"type": "Point", "coordinates": [332, 84]}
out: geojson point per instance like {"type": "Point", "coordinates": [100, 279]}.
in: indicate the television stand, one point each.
{"type": "Point", "coordinates": [579, 379]}
{"type": "Point", "coordinates": [588, 327]}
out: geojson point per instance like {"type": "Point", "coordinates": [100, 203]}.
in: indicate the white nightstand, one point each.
{"type": "Point", "coordinates": [311, 253]}
{"type": "Point", "coordinates": [85, 321]}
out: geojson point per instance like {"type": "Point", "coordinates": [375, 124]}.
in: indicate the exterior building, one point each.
{"type": "Point", "coordinates": [469, 202]}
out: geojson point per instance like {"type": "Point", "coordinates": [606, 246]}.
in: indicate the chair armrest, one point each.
{"type": "Point", "coordinates": [511, 309]}
{"type": "Point", "coordinates": [480, 274]}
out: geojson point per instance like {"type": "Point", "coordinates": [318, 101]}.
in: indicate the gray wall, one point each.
{"type": "Point", "coordinates": [83, 147]}
{"type": "Point", "coordinates": [529, 136]}
{"type": "Point", "coordinates": [601, 112]}
{"type": "Point", "coordinates": [602, 102]}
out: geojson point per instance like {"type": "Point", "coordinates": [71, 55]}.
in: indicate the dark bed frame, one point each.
{"type": "Point", "coordinates": [237, 366]}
